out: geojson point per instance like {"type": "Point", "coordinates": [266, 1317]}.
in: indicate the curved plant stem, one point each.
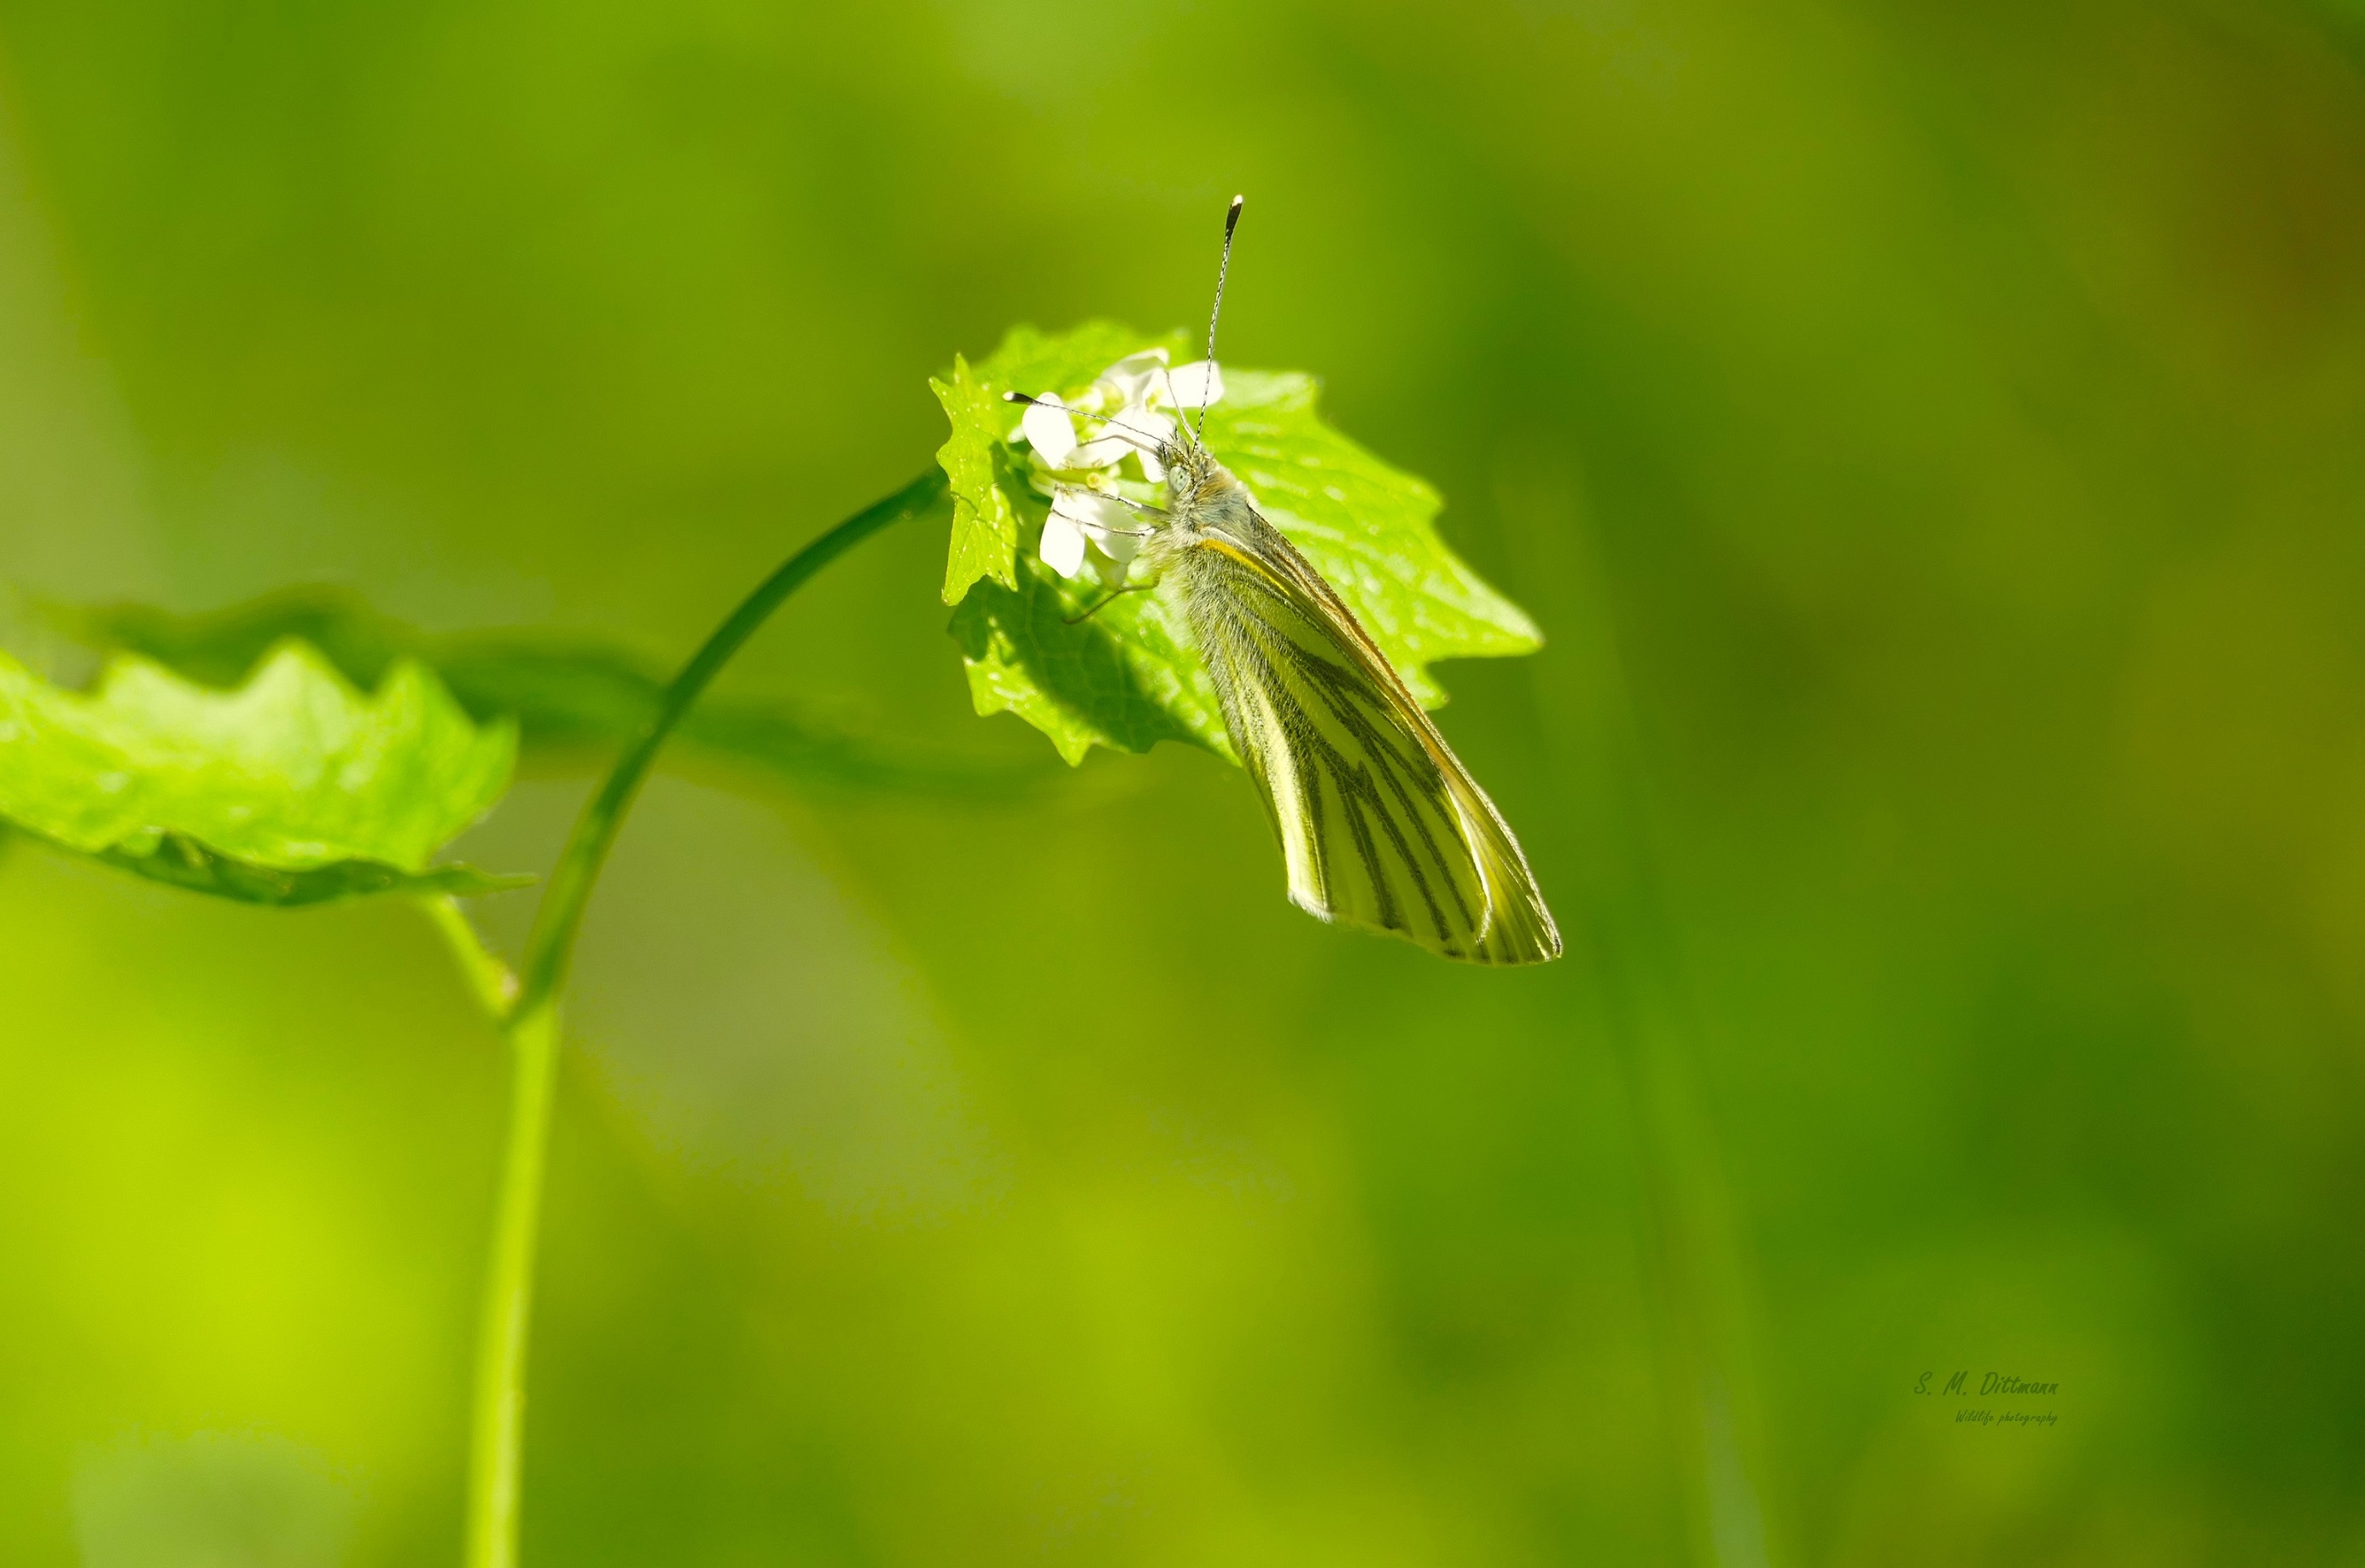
{"type": "Point", "coordinates": [498, 1422]}
{"type": "Point", "coordinates": [492, 981]}
{"type": "Point", "coordinates": [551, 947]}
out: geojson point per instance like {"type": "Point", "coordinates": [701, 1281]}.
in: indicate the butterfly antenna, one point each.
{"type": "Point", "coordinates": [1139, 439]}
{"type": "Point", "coordinates": [1207, 386]}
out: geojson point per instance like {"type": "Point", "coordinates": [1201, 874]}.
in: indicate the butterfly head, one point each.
{"type": "Point", "coordinates": [1194, 480]}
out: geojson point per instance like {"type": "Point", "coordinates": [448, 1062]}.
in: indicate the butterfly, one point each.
{"type": "Point", "coordinates": [1381, 826]}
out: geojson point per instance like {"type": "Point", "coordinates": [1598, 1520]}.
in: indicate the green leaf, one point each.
{"type": "Point", "coordinates": [291, 789]}
{"type": "Point", "coordinates": [185, 863]}
{"type": "Point", "coordinates": [1124, 678]}
{"type": "Point", "coordinates": [985, 535]}
{"type": "Point", "coordinates": [986, 506]}
{"type": "Point", "coordinates": [1128, 677]}
{"type": "Point", "coordinates": [575, 699]}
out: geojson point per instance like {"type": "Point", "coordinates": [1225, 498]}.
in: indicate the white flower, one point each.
{"type": "Point", "coordinates": [1132, 431]}
{"type": "Point", "coordinates": [1135, 378]}
{"type": "Point", "coordinates": [1077, 515]}
{"type": "Point", "coordinates": [1196, 385]}
{"type": "Point", "coordinates": [1049, 431]}
{"type": "Point", "coordinates": [1135, 401]}
{"type": "Point", "coordinates": [1133, 398]}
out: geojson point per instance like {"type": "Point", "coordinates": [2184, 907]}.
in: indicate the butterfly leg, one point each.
{"type": "Point", "coordinates": [1106, 601]}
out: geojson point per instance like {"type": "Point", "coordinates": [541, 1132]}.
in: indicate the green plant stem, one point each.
{"type": "Point", "coordinates": [497, 1429]}
{"type": "Point", "coordinates": [1635, 990]}
{"type": "Point", "coordinates": [551, 947]}
{"type": "Point", "coordinates": [493, 981]}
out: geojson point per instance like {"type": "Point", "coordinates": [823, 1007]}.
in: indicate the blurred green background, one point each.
{"type": "Point", "coordinates": [1930, 437]}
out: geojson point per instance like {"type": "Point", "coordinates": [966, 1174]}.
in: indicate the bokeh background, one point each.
{"type": "Point", "coordinates": [1930, 437]}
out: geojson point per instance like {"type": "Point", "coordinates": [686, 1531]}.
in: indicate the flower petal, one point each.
{"type": "Point", "coordinates": [1091, 511]}
{"type": "Point", "coordinates": [1064, 545]}
{"type": "Point", "coordinates": [1102, 519]}
{"type": "Point", "coordinates": [1148, 423]}
{"type": "Point", "coordinates": [1196, 384]}
{"type": "Point", "coordinates": [1101, 451]}
{"type": "Point", "coordinates": [1051, 433]}
{"type": "Point", "coordinates": [1131, 429]}
{"type": "Point", "coordinates": [1154, 430]}
{"type": "Point", "coordinates": [1130, 380]}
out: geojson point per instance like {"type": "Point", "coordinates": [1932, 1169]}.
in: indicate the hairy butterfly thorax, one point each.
{"type": "Point", "coordinates": [1201, 492]}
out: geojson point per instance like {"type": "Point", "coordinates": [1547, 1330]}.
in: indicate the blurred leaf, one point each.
{"type": "Point", "coordinates": [291, 789]}
{"type": "Point", "coordinates": [568, 695]}
{"type": "Point", "coordinates": [1128, 677]}
{"type": "Point", "coordinates": [222, 648]}
{"type": "Point", "coordinates": [211, 1500]}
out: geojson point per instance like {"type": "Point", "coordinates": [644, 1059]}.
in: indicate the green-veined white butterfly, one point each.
{"type": "Point", "coordinates": [1380, 825]}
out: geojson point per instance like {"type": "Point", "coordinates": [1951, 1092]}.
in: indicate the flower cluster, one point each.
{"type": "Point", "coordinates": [1137, 401]}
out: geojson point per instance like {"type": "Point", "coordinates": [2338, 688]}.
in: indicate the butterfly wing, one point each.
{"type": "Point", "coordinates": [1381, 826]}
